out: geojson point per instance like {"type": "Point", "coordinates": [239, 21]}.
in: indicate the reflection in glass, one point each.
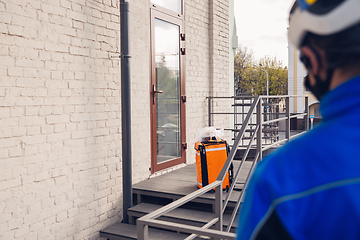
{"type": "Point", "coordinates": [173, 5]}
{"type": "Point", "coordinates": [167, 61]}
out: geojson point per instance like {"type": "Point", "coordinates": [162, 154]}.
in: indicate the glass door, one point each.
{"type": "Point", "coordinates": [167, 103]}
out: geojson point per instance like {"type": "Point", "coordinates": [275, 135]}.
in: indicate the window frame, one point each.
{"type": "Point", "coordinates": [168, 11]}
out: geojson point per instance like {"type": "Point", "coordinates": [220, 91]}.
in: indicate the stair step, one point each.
{"type": "Point", "coordinates": [153, 193]}
{"type": "Point", "coordinates": [122, 231]}
{"type": "Point", "coordinates": [179, 215]}
{"type": "Point", "coordinates": [179, 183]}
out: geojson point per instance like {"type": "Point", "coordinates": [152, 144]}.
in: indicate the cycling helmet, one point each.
{"type": "Point", "coordinates": [336, 20]}
{"type": "Point", "coordinates": [321, 17]}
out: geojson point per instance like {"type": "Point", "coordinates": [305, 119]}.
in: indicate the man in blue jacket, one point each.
{"type": "Point", "coordinates": [310, 188]}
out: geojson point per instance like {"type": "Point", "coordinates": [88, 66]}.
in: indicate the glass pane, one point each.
{"type": "Point", "coordinates": [173, 5]}
{"type": "Point", "coordinates": [167, 60]}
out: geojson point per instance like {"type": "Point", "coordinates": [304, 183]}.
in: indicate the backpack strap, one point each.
{"type": "Point", "coordinates": [204, 169]}
{"type": "Point", "coordinates": [231, 169]}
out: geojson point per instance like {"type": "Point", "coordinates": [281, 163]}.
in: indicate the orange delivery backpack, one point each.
{"type": "Point", "coordinates": [210, 159]}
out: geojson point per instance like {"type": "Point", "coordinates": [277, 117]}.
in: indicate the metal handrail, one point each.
{"type": "Point", "coordinates": [239, 168]}
{"type": "Point", "coordinates": [231, 155]}
{"type": "Point", "coordinates": [220, 205]}
{"type": "Point", "coordinates": [237, 206]}
{"type": "Point", "coordinates": [206, 226]}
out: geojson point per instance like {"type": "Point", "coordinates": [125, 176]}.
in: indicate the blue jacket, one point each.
{"type": "Point", "coordinates": [310, 188]}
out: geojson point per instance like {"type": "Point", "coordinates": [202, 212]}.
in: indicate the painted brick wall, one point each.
{"type": "Point", "coordinates": [220, 80]}
{"type": "Point", "coordinates": [140, 88]}
{"type": "Point", "coordinates": [60, 172]}
{"type": "Point", "coordinates": [197, 29]}
{"type": "Point", "coordinates": [207, 65]}
{"type": "Point", "coordinates": [60, 135]}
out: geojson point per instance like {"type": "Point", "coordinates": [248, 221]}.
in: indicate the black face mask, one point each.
{"type": "Point", "coordinates": [321, 87]}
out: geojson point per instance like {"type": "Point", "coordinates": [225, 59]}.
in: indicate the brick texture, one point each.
{"type": "Point", "coordinates": [60, 111]}
{"type": "Point", "coordinates": [207, 66]}
{"type": "Point", "coordinates": [60, 118]}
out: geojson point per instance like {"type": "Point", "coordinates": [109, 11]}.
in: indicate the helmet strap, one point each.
{"type": "Point", "coordinates": [321, 87]}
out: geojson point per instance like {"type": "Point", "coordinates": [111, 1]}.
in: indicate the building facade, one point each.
{"type": "Point", "coordinates": [296, 74]}
{"type": "Point", "coordinates": [60, 109]}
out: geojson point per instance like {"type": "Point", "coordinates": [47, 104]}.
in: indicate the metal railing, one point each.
{"type": "Point", "coordinates": [254, 112]}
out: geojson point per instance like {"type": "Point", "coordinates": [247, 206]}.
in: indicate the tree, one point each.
{"type": "Point", "coordinates": [252, 80]}
{"type": "Point", "coordinates": [243, 60]}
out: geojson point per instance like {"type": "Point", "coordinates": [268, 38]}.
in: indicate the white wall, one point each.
{"type": "Point", "coordinates": [140, 88]}
{"type": "Point", "coordinates": [207, 64]}
{"type": "Point", "coordinates": [60, 174]}
{"type": "Point", "coordinates": [60, 136]}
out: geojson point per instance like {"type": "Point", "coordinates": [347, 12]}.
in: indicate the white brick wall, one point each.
{"type": "Point", "coordinates": [60, 135]}
{"type": "Point", "coordinates": [205, 77]}
{"type": "Point", "coordinates": [140, 84]}
{"type": "Point", "coordinates": [60, 119]}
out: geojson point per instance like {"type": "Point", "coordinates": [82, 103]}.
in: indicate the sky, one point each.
{"type": "Point", "coordinates": [262, 27]}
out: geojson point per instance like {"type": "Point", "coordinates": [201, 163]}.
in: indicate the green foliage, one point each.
{"type": "Point", "coordinates": [251, 80]}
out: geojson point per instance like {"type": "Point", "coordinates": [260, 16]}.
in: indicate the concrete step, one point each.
{"type": "Point", "coordinates": [154, 193]}
{"type": "Point", "coordinates": [122, 231]}
{"type": "Point", "coordinates": [177, 184]}
{"type": "Point", "coordinates": [180, 215]}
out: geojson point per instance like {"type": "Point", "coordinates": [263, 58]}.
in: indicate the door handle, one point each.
{"type": "Point", "coordinates": [155, 92]}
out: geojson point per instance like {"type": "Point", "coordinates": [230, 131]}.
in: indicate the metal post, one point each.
{"type": "Point", "coordinates": [219, 207]}
{"type": "Point", "coordinates": [235, 116]}
{"type": "Point", "coordinates": [125, 108]}
{"type": "Point", "coordinates": [259, 132]}
{"type": "Point", "coordinates": [142, 231]}
{"type": "Point", "coordinates": [287, 124]}
{"type": "Point", "coordinates": [307, 113]}
{"type": "Point", "coordinates": [209, 110]}
{"type": "Point", "coordinates": [267, 94]}
{"type": "Point", "coordinates": [243, 117]}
